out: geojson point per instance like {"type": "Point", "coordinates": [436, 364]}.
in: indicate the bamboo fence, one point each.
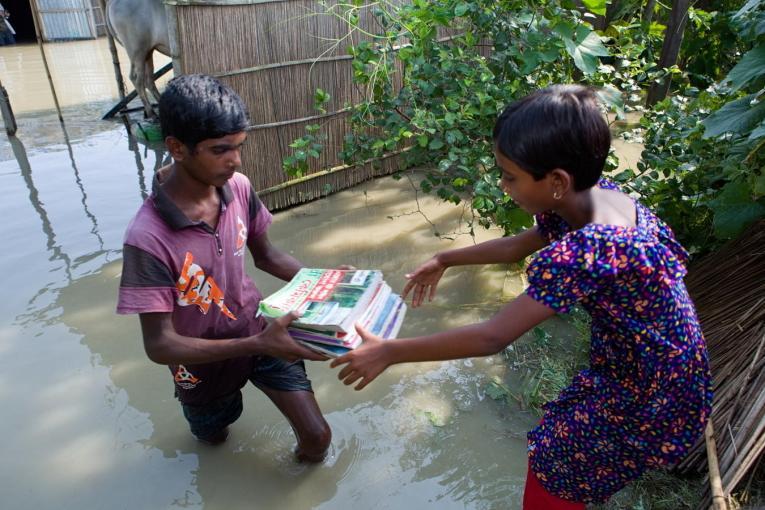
{"type": "Point", "coordinates": [728, 288]}
{"type": "Point", "coordinates": [275, 54]}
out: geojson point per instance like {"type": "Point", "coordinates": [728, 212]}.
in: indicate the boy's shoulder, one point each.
{"type": "Point", "coordinates": [146, 224]}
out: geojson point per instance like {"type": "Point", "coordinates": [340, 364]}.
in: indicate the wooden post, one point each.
{"type": "Point", "coordinates": [718, 496]}
{"type": "Point", "coordinates": [113, 51]}
{"type": "Point", "coordinates": [5, 109]}
{"type": "Point", "coordinates": [673, 37]}
{"type": "Point", "coordinates": [38, 24]}
{"type": "Point", "coordinates": [172, 35]}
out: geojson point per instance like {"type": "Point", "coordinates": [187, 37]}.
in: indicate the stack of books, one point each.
{"type": "Point", "coordinates": [331, 302]}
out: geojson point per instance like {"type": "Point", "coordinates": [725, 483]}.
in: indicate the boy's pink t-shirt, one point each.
{"type": "Point", "coordinates": [172, 264]}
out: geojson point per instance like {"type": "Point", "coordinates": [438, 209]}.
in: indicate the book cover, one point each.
{"type": "Point", "coordinates": [327, 299]}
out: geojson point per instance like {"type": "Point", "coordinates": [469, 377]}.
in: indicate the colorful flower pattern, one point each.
{"type": "Point", "coordinates": [645, 398]}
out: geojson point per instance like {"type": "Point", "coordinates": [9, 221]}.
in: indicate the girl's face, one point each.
{"type": "Point", "coordinates": [532, 196]}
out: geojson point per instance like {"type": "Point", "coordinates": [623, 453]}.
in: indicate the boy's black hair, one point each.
{"type": "Point", "coordinates": [556, 127]}
{"type": "Point", "coordinates": [195, 107]}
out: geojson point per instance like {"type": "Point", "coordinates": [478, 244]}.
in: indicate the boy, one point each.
{"type": "Point", "coordinates": [183, 273]}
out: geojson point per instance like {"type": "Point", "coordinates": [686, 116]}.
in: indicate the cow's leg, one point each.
{"type": "Point", "coordinates": [150, 76]}
{"type": "Point", "coordinates": [138, 77]}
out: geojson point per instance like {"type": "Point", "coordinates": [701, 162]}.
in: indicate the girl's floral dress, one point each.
{"type": "Point", "coordinates": [645, 398]}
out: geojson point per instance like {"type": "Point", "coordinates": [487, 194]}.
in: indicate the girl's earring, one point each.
{"type": "Point", "coordinates": [556, 196]}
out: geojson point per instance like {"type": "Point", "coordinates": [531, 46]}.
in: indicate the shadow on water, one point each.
{"type": "Point", "coordinates": [20, 154]}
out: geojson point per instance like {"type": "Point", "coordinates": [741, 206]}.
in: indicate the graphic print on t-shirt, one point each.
{"type": "Point", "coordinates": [185, 379]}
{"type": "Point", "coordinates": [197, 289]}
{"type": "Point", "coordinates": [241, 237]}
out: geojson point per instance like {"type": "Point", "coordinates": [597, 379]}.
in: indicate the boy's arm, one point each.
{"type": "Point", "coordinates": [271, 259]}
{"type": "Point", "coordinates": [165, 346]}
{"type": "Point", "coordinates": [507, 250]}
{"type": "Point", "coordinates": [366, 362]}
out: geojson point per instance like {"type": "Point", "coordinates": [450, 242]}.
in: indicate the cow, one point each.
{"type": "Point", "coordinates": [141, 27]}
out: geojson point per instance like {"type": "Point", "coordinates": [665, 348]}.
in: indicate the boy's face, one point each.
{"type": "Point", "coordinates": [214, 160]}
{"type": "Point", "coordinates": [532, 196]}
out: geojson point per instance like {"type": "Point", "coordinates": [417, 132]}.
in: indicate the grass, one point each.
{"type": "Point", "coordinates": [658, 490]}
{"type": "Point", "coordinates": [548, 360]}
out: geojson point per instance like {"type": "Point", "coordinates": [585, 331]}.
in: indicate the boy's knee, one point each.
{"type": "Point", "coordinates": [320, 436]}
{"type": "Point", "coordinates": [314, 442]}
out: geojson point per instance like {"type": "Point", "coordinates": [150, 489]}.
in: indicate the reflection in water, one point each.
{"type": "Point", "coordinates": [78, 180]}
{"type": "Point", "coordinates": [159, 156]}
{"type": "Point", "coordinates": [20, 154]}
{"type": "Point", "coordinates": [133, 146]}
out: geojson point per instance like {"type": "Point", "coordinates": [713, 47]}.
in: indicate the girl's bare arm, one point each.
{"type": "Point", "coordinates": [424, 280]}
{"type": "Point", "coordinates": [366, 362]}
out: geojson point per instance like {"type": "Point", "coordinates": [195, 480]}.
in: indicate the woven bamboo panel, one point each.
{"type": "Point", "coordinates": [286, 93]}
{"type": "Point", "coordinates": [275, 54]}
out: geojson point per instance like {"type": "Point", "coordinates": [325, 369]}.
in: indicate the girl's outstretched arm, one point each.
{"type": "Point", "coordinates": [506, 250]}
{"type": "Point", "coordinates": [366, 362]}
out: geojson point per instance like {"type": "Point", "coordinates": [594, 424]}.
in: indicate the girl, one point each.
{"type": "Point", "coordinates": [646, 396]}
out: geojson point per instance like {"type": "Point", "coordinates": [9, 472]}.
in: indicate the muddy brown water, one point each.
{"type": "Point", "coordinates": [89, 422]}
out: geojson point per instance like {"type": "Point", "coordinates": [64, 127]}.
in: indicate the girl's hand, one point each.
{"type": "Point", "coordinates": [365, 362]}
{"type": "Point", "coordinates": [424, 281]}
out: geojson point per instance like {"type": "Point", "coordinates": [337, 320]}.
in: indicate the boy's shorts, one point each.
{"type": "Point", "coordinates": [272, 373]}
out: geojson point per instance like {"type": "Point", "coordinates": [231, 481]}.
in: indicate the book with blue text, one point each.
{"type": "Point", "coordinates": [331, 302]}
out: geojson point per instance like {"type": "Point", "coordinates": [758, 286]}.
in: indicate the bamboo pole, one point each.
{"type": "Point", "coordinates": [718, 498]}
{"type": "Point", "coordinates": [321, 173]}
{"type": "Point", "coordinates": [7, 112]}
{"type": "Point", "coordinates": [38, 25]}
{"type": "Point", "coordinates": [113, 50]}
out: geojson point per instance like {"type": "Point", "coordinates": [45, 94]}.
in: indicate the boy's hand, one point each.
{"type": "Point", "coordinates": [424, 281]}
{"type": "Point", "coordinates": [275, 341]}
{"type": "Point", "coordinates": [365, 362]}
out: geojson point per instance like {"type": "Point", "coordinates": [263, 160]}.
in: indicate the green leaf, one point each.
{"type": "Point", "coordinates": [460, 9]}
{"type": "Point", "coordinates": [758, 132]}
{"type": "Point", "coordinates": [585, 49]}
{"type": "Point", "coordinates": [656, 29]}
{"type": "Point", "coordinates": [517, 217]}
{"type": "Point", "coordinates": [759, 186]}
{"type": "Point", "coordinates": [734, 210]}
{"type": "Point", "coordinates": [436, 420]}
{"type": "Point", "coordinates": [749, 68]}
{"type": "Point", "coordinates": [612, 97]}
{"type": "Point", "coordinates": [495, 391]}
{"type": "Point", "coordinates": [541, 335]}
{"type": "Point", "coordinates": [550, 54]}
{"type": "Point", "coordinates": [737, 116]}
{"type": "Point", "coordinates": [747, 8]}
{"type": "Point", "coordinates": [530, 61]}
{"type": "Point", "coordinates": [596, 6]}
{"type": "Point", "coordinates": [435, 144]}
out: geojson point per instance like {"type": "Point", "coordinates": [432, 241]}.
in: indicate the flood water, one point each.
{"type": "Point", "coordinates": [88, 422]}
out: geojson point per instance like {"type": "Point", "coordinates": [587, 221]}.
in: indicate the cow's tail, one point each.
{"type": "Point", "coordinates": [109, 25]}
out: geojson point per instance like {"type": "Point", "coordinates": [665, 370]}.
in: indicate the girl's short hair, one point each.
{"type": "Point", "coordinates": [556, 127]}
{"type": "Point", "coordinates": [196, 107]}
